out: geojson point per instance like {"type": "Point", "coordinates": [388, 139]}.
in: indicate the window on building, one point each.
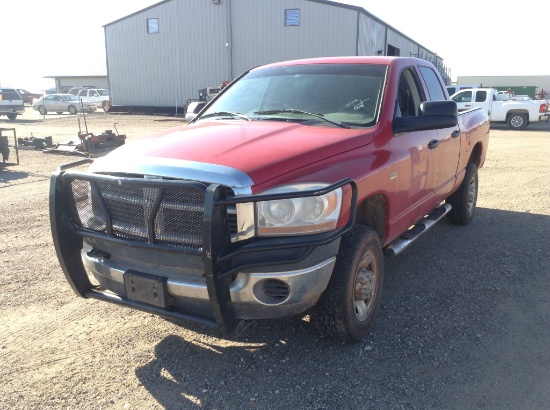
{"type": "Point", "coordinates": [292, 17]}
{"type": "Point", "coordinates": [152, 26]}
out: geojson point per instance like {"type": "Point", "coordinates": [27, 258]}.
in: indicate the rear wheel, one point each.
{"type": "Point", "coordinates": [516, 121]}
{"type": "Point", "coordinates": [348, 306]}
{"type": "Point", "coordinates": [42, 110]}
{"type": "Point", "coordinates": [12, 116]}
{"type": "Point", "coordinates": [106, 105]}
{"type": "Point", "coordinates": [72, 109]}
{"type": "Point", "coordinates": [464, 200]}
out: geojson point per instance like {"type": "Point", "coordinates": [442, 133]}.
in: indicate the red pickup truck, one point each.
{"type": "Point", "coordinates": [281, 198]}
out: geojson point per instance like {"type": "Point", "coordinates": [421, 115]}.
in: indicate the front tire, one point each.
{"type": "Point", "coordinates": [463, 201]}
{"type": "Point", "coordinates": [12, 116]}
{"type": "Point", "coordinates": [72, 110]}
{"type": "Point", "coordinates": [347, 308]}
{"type": "Point", "coordinates": [517, 121]}
{"type": "Point", "coordinates": [42, 110]}
{"type": "Point", "coordinates": [106, 105]}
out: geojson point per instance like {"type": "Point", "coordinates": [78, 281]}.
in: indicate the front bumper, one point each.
{"type": "Point", "coordinates": [217, 285]}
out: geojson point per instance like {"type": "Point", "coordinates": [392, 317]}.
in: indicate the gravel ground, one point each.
{"type": "Point", "coordinates": [464, 321]}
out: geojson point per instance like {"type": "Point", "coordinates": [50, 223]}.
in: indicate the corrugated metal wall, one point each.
{"type": "Point", "coordinates": [372, 37]}
{"type": "Point", "coordinates": [188, 53]}
{"type": "Point", "coordinates": [260, 36]}
{"type": "Point", "coordinates": [201, 43]}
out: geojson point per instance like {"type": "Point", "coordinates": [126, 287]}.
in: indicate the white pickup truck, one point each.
{"type": "Point", "coordinates": [516, 112]}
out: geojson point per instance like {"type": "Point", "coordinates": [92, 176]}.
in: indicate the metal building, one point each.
{"type": "Point", "coordinates": [159, 57]}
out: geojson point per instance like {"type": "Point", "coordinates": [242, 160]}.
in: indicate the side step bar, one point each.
{"type": "Point", "coordinates": [398, 245]}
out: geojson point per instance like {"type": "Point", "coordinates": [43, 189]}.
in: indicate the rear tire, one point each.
{"type": "Point", "coordinates": [517, 121]}
{"type": "Point", "coordinates": [12, 116]}
{"type": "Point", "coordinates": [464, 200]}
{"type": "Point", "coordinates": [106, 105]}
{"type": "Point", "coordinates": [347, 308]}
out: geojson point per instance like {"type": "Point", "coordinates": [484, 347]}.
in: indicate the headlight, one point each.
{"type": "Point", "coordinates": [300, 215]}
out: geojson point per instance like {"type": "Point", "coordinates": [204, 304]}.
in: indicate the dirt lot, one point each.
{"type": "Point", "coordinates": [464, 321]}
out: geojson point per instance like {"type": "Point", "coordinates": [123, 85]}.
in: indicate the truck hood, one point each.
{"type": "Point", "coordinates": [259, 149]}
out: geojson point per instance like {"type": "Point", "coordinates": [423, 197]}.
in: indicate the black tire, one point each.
{"type": "Point", "coordinates": [347, 308]}
{"type": "Point", "coordinates": [106, 105]}
{"type": "Point", "coordinates": [464, 200]}
{"type": "Point", "coordinates": [12, 116]}
{"type": "Point", "coordinates": [42, 110]}
{"type": "Point", "coordinates": [59, 112]}
{"type": "Point", "coordinates": [517, 121]}
{"type": "Point", "coordinates": [72, 110]}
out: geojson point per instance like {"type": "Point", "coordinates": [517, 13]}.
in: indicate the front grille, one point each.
{"type": "Point", "coordinates": [170, 216]}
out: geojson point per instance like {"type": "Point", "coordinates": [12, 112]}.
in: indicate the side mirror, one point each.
{"type": "Point", "coordinates": [433, 115]}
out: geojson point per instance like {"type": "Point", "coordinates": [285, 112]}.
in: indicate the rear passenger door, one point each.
{"type": "Point", "coordinates": [448, 140]}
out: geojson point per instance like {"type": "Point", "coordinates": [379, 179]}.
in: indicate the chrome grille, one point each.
{"type": "Point", "coordinates": [170, 216]}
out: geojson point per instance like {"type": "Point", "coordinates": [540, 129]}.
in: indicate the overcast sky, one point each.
{"type": "Point", "coordinates": [481, 37]}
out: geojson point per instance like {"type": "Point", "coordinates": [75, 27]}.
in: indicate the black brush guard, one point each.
{"type": "Point", "coordinates": [218, 253]}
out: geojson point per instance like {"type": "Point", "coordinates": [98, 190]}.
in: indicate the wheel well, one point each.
{"type": "Point", "coordinates": [474, 156]}
{"type": "Point", "coordinates": [372, 213]}
{"type": "Point", "coordinates": [510, 113]}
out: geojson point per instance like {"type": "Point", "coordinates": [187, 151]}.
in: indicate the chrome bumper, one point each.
{"type": "Point", "coordinates": [250, 291]}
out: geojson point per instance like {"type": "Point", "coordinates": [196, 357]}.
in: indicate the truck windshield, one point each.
{"type": "Point", "coordinates": [347, 94]}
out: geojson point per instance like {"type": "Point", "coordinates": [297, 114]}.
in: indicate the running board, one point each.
{"type": "Point", "coordinates": [398, 245]}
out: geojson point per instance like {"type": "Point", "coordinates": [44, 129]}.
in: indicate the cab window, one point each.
{"type": "Point", "coordinates": [465, 96]}
{"type": "Point", "coordinates": [408, 94]}
{"type": "Point", "coordinates": [435, 88]}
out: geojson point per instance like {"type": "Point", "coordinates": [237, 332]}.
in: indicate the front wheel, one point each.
{"type": "Point", "coordinates": [348, 306]}
{"type": "Point", "coordinates": [106, 105]}
{"type": "Point", "coordinates": [517, 121]}
{"type": "Point", "coordinates": [42, 110]}
{"type": "Point", "coordinates": [463, 201]}
{"type": "Point", "coordinates": [72, 109]}
{"type": "Point", "coordinates": [12, 116]}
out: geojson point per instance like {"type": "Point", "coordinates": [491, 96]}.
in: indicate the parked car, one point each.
{"type": "Point", "coordinates": [99, 96]}
{"type": "Point", "coordinates": [28, 97]}
{"type": "Point", "coordinates": [11, 103]}
{"type": "Point", "coordinates": [75, 91]}
{"type": "Point", "coordinates": [60, 103]}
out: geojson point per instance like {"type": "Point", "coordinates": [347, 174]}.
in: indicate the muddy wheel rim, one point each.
{"type": "Point", "coordinates": [471, 195]}
{"type": "Point", "coordinates": [366, 281]}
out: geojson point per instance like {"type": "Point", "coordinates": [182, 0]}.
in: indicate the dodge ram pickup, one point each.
{"type": "Point", "coordinates": [281, 198]}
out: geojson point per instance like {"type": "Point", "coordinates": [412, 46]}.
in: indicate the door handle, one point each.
{"type": "Point", "coordinates": [433, 144]}
{"type": "Point", "coordinates": [456, 133]}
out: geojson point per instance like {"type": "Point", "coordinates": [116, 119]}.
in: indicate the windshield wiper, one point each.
{"type": "Point", "coordinates": [225, 114]}
{"type": "Point", "coordinates": [294, 111]}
